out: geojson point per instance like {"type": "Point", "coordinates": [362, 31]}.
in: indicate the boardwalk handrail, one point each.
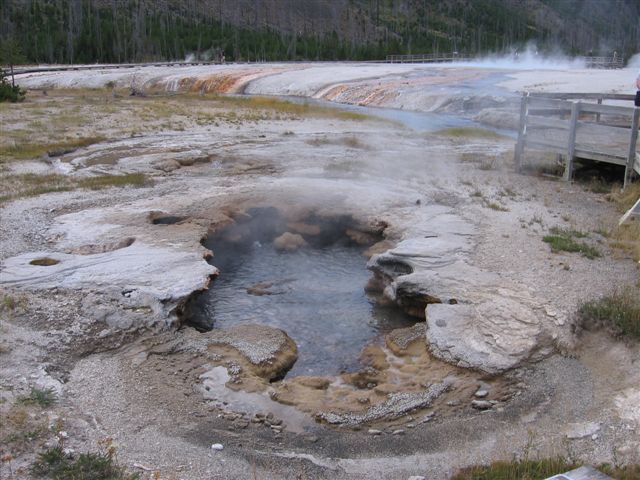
{"type": "Point", "coordinates": [603, 62]}
{"type": "Point", "coordinates": [558, 134]}
{"type": "Point", "coordinates": [427, 58]}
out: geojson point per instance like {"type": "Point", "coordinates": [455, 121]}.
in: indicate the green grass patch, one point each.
{"type": "Point", "coordinates": [495, 206]}
{"type": "Point", "coordinates": [54, 464]}
{"type": "Point", "coordinates": [567, 232]}
{"type": "Point", "coordinates": [562, 240]}
{"type": "Point", "coordinates": [517, 470]}
{"type": "Point", "coordinates": [618, 312]}
{"type": "Point", "coordinates": [560, 243]}
{"type": "Point", "coordinates": [469, 132]}
{"type": "Point", "coordinates": [28, 150]}
{"type": "Point", "coordinates": [44, 262]}
{"type": "Point", "coordinates": [42, 397]}
{"type": "Point", "coordinates": [105, 181]}
{"type": "Point", "coordinates": [279, 105]}
{"type": "Point", "coordinates": [31, 184]}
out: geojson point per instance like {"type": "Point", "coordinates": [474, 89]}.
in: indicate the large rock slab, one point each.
{"type": "Point", "coordinates": [139, 275]}
{"type": "Point", "coordinates": [492, 334]}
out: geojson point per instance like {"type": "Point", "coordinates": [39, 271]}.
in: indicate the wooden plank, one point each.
{"type": "Point", "coordinates": [633, 139]}
{"type": "Point", "coordinates": [551, 112]}
{"type": "Point", "coordinates": [584, 96]}
{"type": "Point", "coordinates": [534, 121]}
{"type": "Point", "coordinates": [522, 131]}
{"type": "Point", "coordinates": [612, 133]}
{"type": "Point", "coordinates": [555, 147]}
{"type": "Point", "coordinates": [571, 147]}
{"type": "Point", "coordinates": [589, 154]}
{"type": "Point", "coordinates": [607, 109]}
{"type": "Point", "coordinates": [540, 102]}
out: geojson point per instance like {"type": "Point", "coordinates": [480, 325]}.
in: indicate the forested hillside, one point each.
{"type": "Point", "coordinates": [74, 31]}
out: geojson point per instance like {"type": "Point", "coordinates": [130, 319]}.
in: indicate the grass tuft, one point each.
{"type": "Point", "coordinates": [618, 312]}
{"type": "Point", "coordinates": [567, 232]}
{"type": "Point", "coordinates": [560, 243]}
{"type": "Point", "coordinates": [562, 239]}
{"type": "Point", "coordinates": [42, 397]}
{"type": "Point", "coordinates": [53, 463]}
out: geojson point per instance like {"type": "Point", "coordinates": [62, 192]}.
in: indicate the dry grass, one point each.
{"type": "Point", "coordinates": [626, 237]}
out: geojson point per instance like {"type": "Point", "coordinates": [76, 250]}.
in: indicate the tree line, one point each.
{"type": "Point", "coordinates": [87, 31]}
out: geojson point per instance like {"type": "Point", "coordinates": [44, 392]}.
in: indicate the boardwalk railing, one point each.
{"type": "Point", "coordinates": [603, 62]}
{"type": "Point", "coordinates": [427, 58]}
{"type": "Point", "coordinates": [62, 68]}
{"type": "Point", "coordinates": [575, 129]}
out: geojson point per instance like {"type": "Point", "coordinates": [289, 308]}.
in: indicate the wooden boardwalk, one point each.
{"type": "Point", "coordinates": [579, 125]}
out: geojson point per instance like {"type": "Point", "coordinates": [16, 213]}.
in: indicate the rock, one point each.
{"type": "Point", "coordinates": [373, 431]}
{"type": "Point", "coordinates": [217, 446]}
{"type": "Point", "coordinates": [398, 432]}
{"type": "Point", "coordinates": [581, 430]}
{"type": "Point", "coordinates": [289, 242]}
{"type": "Point", "coordinates": [167, 165]}
{"type": "Point", "coordinates": [396, 405]}
{"type": "Point", "coordinates": [417, 477]}
{"type": "Point", "coordinates": [161, 278]}
{"type": "Point", "coordinates": [481, 404]}
{"type": "Point", "coordinates": [270, 351]}
{"type": "Point", "coordinates": [481, 393]}
{"type": "Point", "coordinates": [494, 334]}
{"type": "Point", "coordinates": [304, 228]}
{"type": "Point", "coordinates": [399, 339]}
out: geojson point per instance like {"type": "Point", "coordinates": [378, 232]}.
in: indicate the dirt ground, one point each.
{"type": "Point", "coordinates": [106, 333]}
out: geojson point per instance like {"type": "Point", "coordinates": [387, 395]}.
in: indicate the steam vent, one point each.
{"type": "Point", "coordinates": [356, 251]}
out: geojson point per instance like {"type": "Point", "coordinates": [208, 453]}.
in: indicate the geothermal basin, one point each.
{"type": "Point", "coordinates": [324, 292]}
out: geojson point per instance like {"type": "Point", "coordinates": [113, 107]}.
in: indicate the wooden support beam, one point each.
{"type": "Point", "coordinates": [571, 147]}
{"type": "Point", "coordinates": [522, 131]}
{"type": "Point", "coordinates": [632, 147]}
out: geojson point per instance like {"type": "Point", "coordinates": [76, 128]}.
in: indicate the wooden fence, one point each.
{"type": "Point", "coordinates": [580, 129]}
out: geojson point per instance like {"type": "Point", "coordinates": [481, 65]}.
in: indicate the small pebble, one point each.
{"type": "Point", "coordinates": [398, 432]}
{"type": "Point", "coordinates": [373, 431]}
{"type": "Point", "coordinates": [217, 446]}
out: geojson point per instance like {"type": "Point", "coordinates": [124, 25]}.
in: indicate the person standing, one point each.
{"type": "Point", "coordinates": [637, 102]}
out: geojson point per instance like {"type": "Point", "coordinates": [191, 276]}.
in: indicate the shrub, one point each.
{"type": "Point", "coordinates": [8, 92]}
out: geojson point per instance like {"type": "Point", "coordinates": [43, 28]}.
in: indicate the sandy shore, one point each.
{"type": "Point", "coordinates": [104, 327]}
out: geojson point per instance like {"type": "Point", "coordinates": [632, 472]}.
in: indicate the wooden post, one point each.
{"type": "Point", "coordinates": [628, 172]}
{"type": "Point", "coordinates": [522, 131]}
{"type": "Point", "coordinates": [571, 147]}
